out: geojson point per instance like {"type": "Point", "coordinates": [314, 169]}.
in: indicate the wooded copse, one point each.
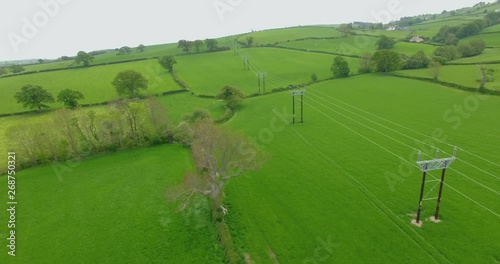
{"type": "Point", "coordinates": [70, 134]}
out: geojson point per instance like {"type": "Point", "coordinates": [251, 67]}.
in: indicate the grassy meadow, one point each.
{"type": "Point", "coordinates": [467, 75]}
{"type": "Point", "coordinates": [353, 45]}
{"type": "Point", "coordinates": [326, 180]}
{"type": "Point", "coordinates": [93, 82]}
{"type": "Point", "coordinates": [340, 188]}
{"type": "Point", "coordinates": [290, 34]}
{"type": "Point", "coordinates": [111, 209]}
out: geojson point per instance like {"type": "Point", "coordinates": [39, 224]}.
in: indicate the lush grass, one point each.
{"type": "Point", "coordinates": [208, 73]}
{"type": "Point", "coordinates": [489, 54]}
{"type": "Point", "coordinates": [397, 34]}
{"type": "Point", "coordinates": [93, 82]}
{"type": "Point", "coordinates": [492, 40]}
{"type": "Point", "coordinates": [431, 28]}
{"type": "Point", "coordinates": [463, 75]}
{"type": "Point", "coordinates": [289, 34]}
{"type": "Point", "coordinates": [300, 197]}
{"type": "Point", "coordinates": [110, 209]}
{"type": "Point", "coordinates": [493, 29]}
{"type": "Point", "coordinates": [353, 45]}
{"type": "Point", "coordinates": [412, 48]}
{"type": "Point", "coordinates": [151, 51]}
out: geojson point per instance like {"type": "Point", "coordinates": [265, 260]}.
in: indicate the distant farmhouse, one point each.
{"type": "Point", "coordinates": [416, 40]}
{"type": "Point", "coordinates": [394, 28]}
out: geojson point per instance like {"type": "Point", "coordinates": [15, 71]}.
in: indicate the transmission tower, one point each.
{"type": "Point", "coordinates": [246, 64]}
{"type": "Point", "coordinates": [262, 80]}
{"type": "Point", "coordinates": [301, 94]}
{"type": "Point", "coordinates": [433, 165]}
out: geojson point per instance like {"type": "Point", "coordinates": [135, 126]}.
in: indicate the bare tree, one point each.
{"type": "Point", "coordinates": [219, 155]}
{"type": "Point", "coordinates": [63, 120]}
{"type": "Point", "coordinates": [157, 119]}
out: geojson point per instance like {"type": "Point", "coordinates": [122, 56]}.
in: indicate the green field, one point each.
{"type": "Point", "coordinates": [289, 34]}
{"type": "Point", "coordinates": [325, 183]}
{"type": "Point", "coordinates": [110, 209]}
{"type": "Point", "coordinates": [397, 34]}
{"type": "Point", "coordinates": [411, 48]}
{"type": "Point", "coordinates": [93, 82]}
{"type": "Point", "coordinates": [150, 51]}
{"type": "Point", "coordinates": [326, 180]}
{"type": "Point", "coordinates": [488, 55]}
{"type": "Point", "coordinates": [353, 45]}
{"type": "Point", "coordinates": [492, 40]}
{"type": "Point", "coordinates": [463, 75]}
{"type": "Point", "coordinates": [208, 73]}
{"type": "Point", "coordinates": [342, 187]}
{"type": "Point", "coordinates": [493, 29]}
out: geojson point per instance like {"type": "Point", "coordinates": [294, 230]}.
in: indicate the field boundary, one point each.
{"type": "Point", "coordinates": [92, 104]}
{"type": "Point", "coordinates": [447, 84]}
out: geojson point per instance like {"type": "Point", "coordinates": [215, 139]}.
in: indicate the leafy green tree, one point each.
{"type": "Point", "coordinates": [198, 44]}
{"type": "Point", "coordinates": [197, 115]}
{"type": "Point", "coordinates": [34, 97]}
{"type": "Point", "coordinates": [232, 96]}
{"type": "Point", "coordinates": [141, 48]}
{"type": "Point", "coordinates": [185, 45]}
{"type": "Point", "coordinates": [129, 83]}
{"type": "Point", "coordinates": [446, 53]}
{"type": "Point", "coordinates": [486, 75]}
{"type": "Point", "coordinates": [211, 44]}
{"type": "Point", "coordinates": [340, 67]}
{"type": "Point", "coordinates": [314, 77]}
{"type": "Point", "coordinates": [365, 64]}
{"type": "Point", "coordinates": [16, 68]}
{"type": "Point", "coordinates": [84, 57]}
{"type": "Point", "coordinates": [385, 42]}
{"type": "Point", "coordinates": [3, 71]}
{"type": "Point", "coordinates": [418, 61]}
{"type": "Point", "coordinates": [473, 48]}
{"type": "Point", "coordinates": [435, 69]}
{"type": "Point", "coordinates": [168, 63]}
{"type": "Point", "coordinates": [70, 97]}
{"type": "Point", "coordinates": [124, 50]}
{"type": "Point", "coordinates": [346, 29]}
{"type": "Point", "coordinates": [250, 40]}
{"type": "Point", "coordinates": [386, 61]}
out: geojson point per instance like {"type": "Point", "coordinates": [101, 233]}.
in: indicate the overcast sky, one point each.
{"type": "Point", "coordinates": [52, 28]}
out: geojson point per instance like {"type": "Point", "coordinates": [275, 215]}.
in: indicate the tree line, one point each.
{"type": "Point", "coordinates": [210, 45]}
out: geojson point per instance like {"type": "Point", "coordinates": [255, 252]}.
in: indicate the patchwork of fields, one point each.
{"type": "Point", "coordinates": [340, 188]}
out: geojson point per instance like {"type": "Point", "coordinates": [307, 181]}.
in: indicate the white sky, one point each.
{"type": "Point", "coordinates": [72, 25]}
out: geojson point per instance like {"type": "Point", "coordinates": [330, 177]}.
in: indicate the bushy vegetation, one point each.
{"type": "Point", "coordinates": [73, 134]}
